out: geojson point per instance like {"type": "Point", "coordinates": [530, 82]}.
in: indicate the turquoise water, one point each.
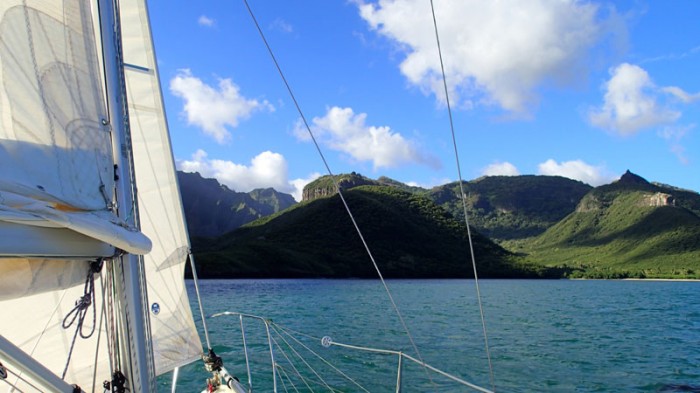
{"type": "Point", "coordinates": [544, 336]}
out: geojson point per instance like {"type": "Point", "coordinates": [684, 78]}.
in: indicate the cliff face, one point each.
{"type": "Point", "coordinates": [324, 186]}
{"type": "Point", "coordinates": [309, 194]}
{"type": "Point", "coordinates": [659, 199]}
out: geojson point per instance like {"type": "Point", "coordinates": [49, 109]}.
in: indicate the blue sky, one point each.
{"type": "Point", "coordinates": [580, 89]}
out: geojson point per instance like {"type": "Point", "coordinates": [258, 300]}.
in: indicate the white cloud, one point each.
{"type": "Point", "coordinates": [206, 21]}
{"type": "Point", "coordinates": [343, 130]}
{"type": "Point", "coordinates": [674, 56]}
{"type": "Point", "coordinates": [674, 135]}
{"type": "Point", "coordinates": [267, 169]}
{"type": "Point", "coordinates": [685, 97]}
{"type": "Point", "coordinates": [430, 183]}
{"type": "Point", "coordinates": [496, 52]}
{"type": "Point", "coordinates": [630, 102]}
{"type": "Point", "coordinates": [577, 170]}
{"type": "Point", "coordinates": [500, 169]}
{"type": "Point", "coordinates": [214, 109]}
{"type": "Point", "coordinates": [282, 25]}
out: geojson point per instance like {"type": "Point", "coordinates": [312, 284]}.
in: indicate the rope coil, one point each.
{"type": "Point", "coordinates": [79, 312]}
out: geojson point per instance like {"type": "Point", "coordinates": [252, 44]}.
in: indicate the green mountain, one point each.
{"type": "Point", "coordinates": [630, 228]}
{"type": "Point", "coordinates": [408, 235]}
{"type": "Point", "coordinates": [500, 207]}
{"type": "Point", "coordinates": [212, 209]}
{"type": "Point", "coordinates": [386, 181]}
{"type": "Point", "coordinates": [555, 226]}
{"type": "Point", "coordinates": [512, 207]}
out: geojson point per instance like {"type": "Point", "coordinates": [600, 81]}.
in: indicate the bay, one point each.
{"type": "Point", "coordinates": [544, 336]}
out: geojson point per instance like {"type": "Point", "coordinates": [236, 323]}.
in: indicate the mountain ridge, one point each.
{"type": "Point", "coordinates": [212, 209]}
{"type": "Point", "coordinates": [628, 228]}
{"type": "Point", "coordinates": [550, 227]}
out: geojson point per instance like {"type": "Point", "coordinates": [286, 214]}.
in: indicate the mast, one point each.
{"type": "Point", "coordinates": [137, 353]}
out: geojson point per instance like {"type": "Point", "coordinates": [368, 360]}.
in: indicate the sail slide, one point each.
{"type": "Point", "coordinates": [175, 338]}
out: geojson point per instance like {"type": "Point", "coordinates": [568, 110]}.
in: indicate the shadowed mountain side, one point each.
{"type": "Point", "coordinates": [213, 209]}
{"type": "Point", "coordinates": [512, 207]}
{"type": "Point", "coordinates": [408, 235]}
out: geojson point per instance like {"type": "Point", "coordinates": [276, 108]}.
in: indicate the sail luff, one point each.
{"type": "Point", "coordinates": [132, 300]}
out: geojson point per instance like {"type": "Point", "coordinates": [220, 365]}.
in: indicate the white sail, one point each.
{"type": "Point", "coordinates": [34, 324]}
{"type": "Point", "coordinates": [55, 153]}
{"type": "Point", "coordinates": [56, 188]}
{"type": "Point", "coordinates": [175, 338]}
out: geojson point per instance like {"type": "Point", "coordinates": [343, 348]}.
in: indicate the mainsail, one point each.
{"type": "Point", "coordinates": [57, 181]}
{"type": "Point", "coordinates": [55, 152]}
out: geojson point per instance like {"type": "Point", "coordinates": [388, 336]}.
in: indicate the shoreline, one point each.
{"type": "Point", "coordinates": [662, 279]}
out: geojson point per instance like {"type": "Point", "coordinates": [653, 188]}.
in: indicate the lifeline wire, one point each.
{"type": "Point", "coordinates": [278, 328]}
{"type": "Point", "coordinates": [335, 183]}
{"type": "Point", "coordinates": [301, 358]}
{"type": "Point", "coordinates": [464, 202]}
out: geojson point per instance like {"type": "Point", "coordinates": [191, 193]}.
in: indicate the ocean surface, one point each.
{"type": "Point", "coordinates": [544, 336]}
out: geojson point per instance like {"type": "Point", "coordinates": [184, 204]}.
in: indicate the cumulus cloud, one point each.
{"type": "Point", "coordinates": [341, 129]}
{"type": "Point", "coordinates": [267, 169]}
{"type": "Point", "coordinates": [631, 102]}
{"type": "Point", "coordinates": [577, 170]}
{"type": "Point", "coordinates": [500, 169]}
{"type": "Point", "coordinates": [206, 21]}
{"type": "Point", "coordinates": [497, 52]}
{"type": "Point", "coordinates": [214, 108]}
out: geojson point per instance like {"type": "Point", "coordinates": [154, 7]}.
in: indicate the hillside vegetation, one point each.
{"type": "Point", "coordinates": [630, 228]}
{"type": "Point", "coordinates": [546, 226]}
{"type": "Point", "coordinates": [512, 207]}
{"type": "Point", "coordinates": [408, 235]}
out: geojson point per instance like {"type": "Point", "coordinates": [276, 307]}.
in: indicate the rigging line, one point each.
{"type": "Point", "coordinates": [99, 336]}
{"type": "Point", "coordinates": [337, 187]}
{"type": "Point", "coordinates": [199, 298]}
{"type": "Point", "coordinates": [291, 364]}
{"type": "Point", "coordinates": [114, 341]}
{"type": "Point", "coordinates": [462, 196]}
{"type": "Point", "coordinates": [301, 358]}
{"type": "Point", "coordinates": [14, 388]}
{"type": "Point", "coordinates": [18, 377]}
{"type": "Point", "coordinates": [106, 312]}
{"type": "Point", "coordinates": [79, 312]}
{"type": "Point", "coordinates": [286, 332]}
{"type": "Point", "coordinates": [315, 383]}
{"type": "Point", "coordinates": [283, 374]}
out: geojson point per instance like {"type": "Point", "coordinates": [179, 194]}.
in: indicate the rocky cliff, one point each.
{"type": "Point", "coordinates": [325, 187]}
